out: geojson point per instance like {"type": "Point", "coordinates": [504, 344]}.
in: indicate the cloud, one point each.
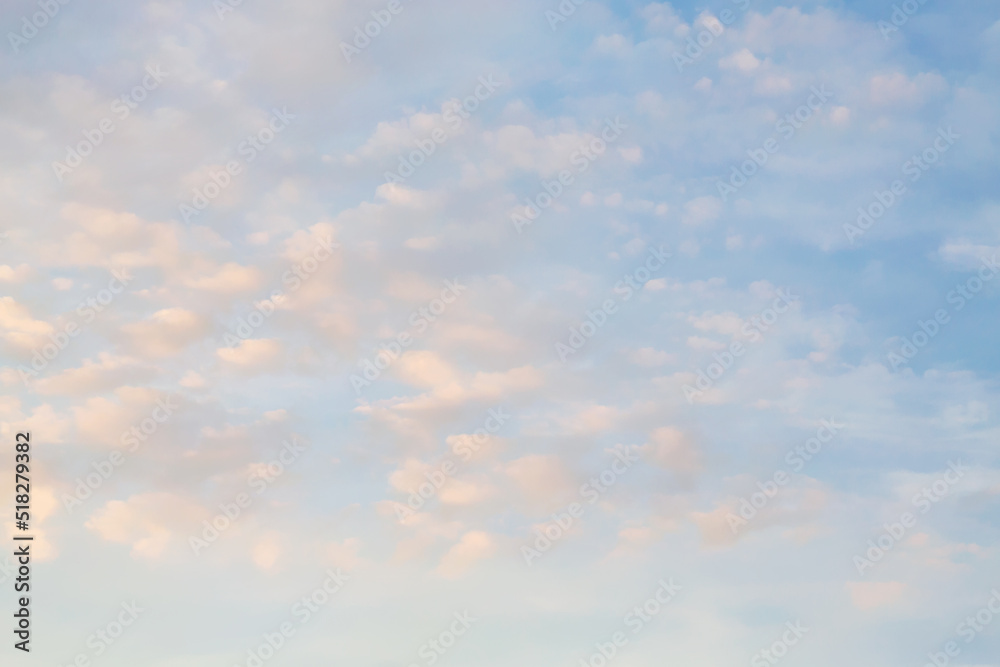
{"type": "Point", "coordinates": [104, 421]}
{"type": "Point", "coordinates": [253, 355]}
{"type": "Point", "coordinates": [230, 278]}
{"type": "Point", "coordinates": [267, 550]}
{"type": "Point", "coordinates": [474, 547]}
{"type": "Point", "coordinates": [651, 357]}
{"type": "Point", "coordinates": [19, 327]}
{"type": "Point", "coordinates": [108, 372]}
{"type": "Point", "coordinates": [148, 523]}
{"type": "Point", "coordinates": [19, 274]}
{"type": "Point", "coordinates": [868, 595]}
{"type": "Point", "coordinates": [672, 449]}
{"type": "Point", "coordinates": [166, 332]}
{"type": "Point", "coordinates": [43, 418]}
{"type": "Point", "coordinates": [897, 89]}
{"type": "Point", "coordinates": [743, 60]}
{"type": "Point", "coordinates": [518, 146]}
{"type": "Point", "coordinates": [543, 481]}
{"type": "Point", "coordinates": [423, 368]}
{"type": "Point", "coordinates": [701, 211]}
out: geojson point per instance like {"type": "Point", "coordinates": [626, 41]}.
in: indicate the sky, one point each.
{"type": "Point", "coordinates": [421, 332]}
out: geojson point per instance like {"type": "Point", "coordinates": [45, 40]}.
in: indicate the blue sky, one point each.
{"type": "Point", "coordinates": [260, 315]}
